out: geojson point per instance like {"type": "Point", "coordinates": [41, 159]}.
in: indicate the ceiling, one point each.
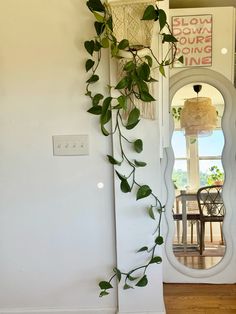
{"type": "Point", "coordinates": [174, 4]}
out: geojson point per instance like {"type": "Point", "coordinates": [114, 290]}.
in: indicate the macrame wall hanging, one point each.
{"type": "Point", "coordinates": [127, 23]}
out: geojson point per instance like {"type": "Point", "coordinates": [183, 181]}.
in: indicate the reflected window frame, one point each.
{"type": "Point", "coordinates": [193, 160]}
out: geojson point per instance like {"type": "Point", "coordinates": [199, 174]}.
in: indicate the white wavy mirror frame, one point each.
{"type": "Point", "coordinates": [226, 88]}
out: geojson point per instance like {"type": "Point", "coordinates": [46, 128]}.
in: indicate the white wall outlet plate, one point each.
{"type": "Point", "coordinates": [70, 145]}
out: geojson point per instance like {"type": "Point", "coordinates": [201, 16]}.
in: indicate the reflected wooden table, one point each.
{"type": "Point", "coordinates": [183, 198]}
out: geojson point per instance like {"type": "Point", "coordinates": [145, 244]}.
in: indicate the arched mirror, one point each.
{"type": "Point", "coordinates": [199, 177]}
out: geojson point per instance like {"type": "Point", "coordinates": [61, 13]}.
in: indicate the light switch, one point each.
{"type": "Point", "coordinates": [70, 145]}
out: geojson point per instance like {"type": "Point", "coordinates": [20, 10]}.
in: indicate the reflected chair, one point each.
{"type": "Point", "coordinates": [211, 209]}
{"type": "Point", "coordinates": [193, 216]}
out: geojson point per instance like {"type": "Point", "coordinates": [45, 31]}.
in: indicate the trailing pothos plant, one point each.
{"type": "Point", "coordinates": [137, 75]}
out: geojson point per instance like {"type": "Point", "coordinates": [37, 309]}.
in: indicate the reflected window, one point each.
{"type": "Point", "coordinates": [211, 145]}
{"type": "Point", "coordinates": [197, 160]}
{"type": "Point", "coordinates": [180, 172]}
{"type": "Point", "coordinates": [179, 144]}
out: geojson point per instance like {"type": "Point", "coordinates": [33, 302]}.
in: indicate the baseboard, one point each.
{"type": "Point", "coordinates": [57, 311]}
{"type": "Point", "coordinates": [141, 312]}
{"type": "Point", "coordinates": [70, 311]}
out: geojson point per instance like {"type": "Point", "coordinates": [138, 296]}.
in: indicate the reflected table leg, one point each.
{"type": "Point", "coordinates": [184, 222]}
{"type": "Point", "coordinates": [178, 222]}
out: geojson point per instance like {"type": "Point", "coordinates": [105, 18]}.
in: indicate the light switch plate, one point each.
{"type": "Point", "coordinates": [70, 145]}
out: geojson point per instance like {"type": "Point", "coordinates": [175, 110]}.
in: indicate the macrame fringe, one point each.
{"type": "Point", "coordinates": [147, 109]}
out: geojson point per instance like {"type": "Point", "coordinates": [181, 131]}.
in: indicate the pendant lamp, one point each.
{"type": "Point", "coordinates": [198, 116]}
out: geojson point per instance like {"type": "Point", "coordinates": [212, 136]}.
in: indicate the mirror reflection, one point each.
{"type": "Point", "coordinates": [198, 175]}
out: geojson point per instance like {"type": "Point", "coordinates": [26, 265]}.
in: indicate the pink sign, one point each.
{"type": "Point", "coordinates": [194, 35]}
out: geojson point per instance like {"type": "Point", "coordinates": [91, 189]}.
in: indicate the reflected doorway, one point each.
{"type": "Point", "coordinates": [197, 164]}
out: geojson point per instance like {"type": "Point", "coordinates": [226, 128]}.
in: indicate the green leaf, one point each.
{"type": "Point", "coordinates": [104, 285]}
{"type": "Point", "coordinates": [88, 94]}
{"type": "Point", "coordinates": [140, 163]}
{"type": "Point", "coordinates": [95, 5]}
{"type": "Point", "coordinates": [126, 287]}
{"type": "Point", "coordinates": [156, 260]}
{"type": "Point", "coordinates": [99, 27]}
{"type": "Point", "coordinates": [152, 80]}
{"type": "Point", "coordinates": [138, 145]}
{"type": "Point", "coordinates": [142, 282]}
{"type": "Point", "coordinates": [104, 131]}
{"type": "Point", "coordinates": [168, 38]}
{"type": "Point", "coordinates": [120, 176]}
{"type": "Point", "coordinates": [131, 278]}
{"type": "Point", "coordinates": [149, 60]}
{"type": "Point", "coordinates": [105, 117]}
{"type": "Point", "coordinates": [181, 59]}
{"type": "Point", "coordinates": [151, 213]}
{"type": "Point", "coordinates": [150, 13]}
{"type": "Point", "coordinates": [89, 46]}
{"type": "Point", "coordinates": [123, 83]}
{"type": "Point", "coordinates": [133, 116]}
{"type": "Point", "coordinates": [95, 110]}
{"type": "Point", "coordinates": [114, 50]}
{"type": "Point", "coordinates": [94, 78]}
{"type": "Point", "coordinates": [97, 46]}
{"type": "Point", "coordinates": [131, 80]}
{"type": "Point", "coordinates": [129, 66]}
{"type": "Point", "coordinates": [122, 100]}
{"type": "Point", "coordinates": [143, 71]}
{"type": "Point", "coordinates": [89, 64]}
{"type": "Point", "coordinates": [146, 97]}
{"type": "Point", "coordinates": [103, 294]}
{"type": "Point", "coordinates": [131, 126]}
{"type": "Point", "coordinates": [105, 42]}
{"type": "Point", "coordinates": [192, 140]}
{"type": "Point", "coordinates": [113, 161]}
{"type": "Point", "coordinates": [144, 248]}
{"type": "Point", "coordinates": [162, 18]}
{"type": "Point", "coordinates": [124, 186]}
{"type": "Point", "coordinates": [143, 191]}
{"type": "Point", "coordinates": [162, 70]}
{"type": "Point", "coordinates": [117, 107]}
{"type": "Point", "coordinates": [118, 273]}
{"type": "Point", "coordinates": [109, 23]}
{"type": "Point", "coordinates": [123, 44]}
{"type": "Point", "coordinates": [159, 240]}
{"type": "Point", "coordinates": [106, 104]}
{"type": "Point", "coordinates": [97, 98]}
{"type": "Point", "coordinates": [142, 86]}
{"type": "Point", "coordinates": [98, 17]}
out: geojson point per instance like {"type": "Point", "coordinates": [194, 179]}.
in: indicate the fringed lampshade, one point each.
{"type": "Point", "coordinates": [198, 116]}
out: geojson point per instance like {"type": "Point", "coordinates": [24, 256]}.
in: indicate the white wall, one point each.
{"type": "Point", "coordinates": [56, 227]}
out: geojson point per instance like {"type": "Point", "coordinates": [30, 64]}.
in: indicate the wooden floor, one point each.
{"type": "Point", "coordinates": [212, 255]}
{"type": "Point", "coordinates": [199, 298]}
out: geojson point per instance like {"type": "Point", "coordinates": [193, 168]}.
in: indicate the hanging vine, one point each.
{"type": "Point", "coordinates": [134, 84]}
